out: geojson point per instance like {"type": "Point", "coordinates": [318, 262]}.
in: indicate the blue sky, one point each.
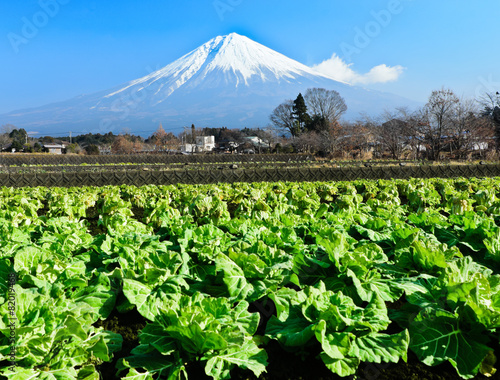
{"type": "Point", "coordinates": [53, 50]}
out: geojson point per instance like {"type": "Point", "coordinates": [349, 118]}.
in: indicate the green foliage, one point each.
{"type": "Point", "coordinates": [299, 112]}
{"type": "Point", "coordinates": [348, 334]}
{"type": "Point", "coordinates": [92, 150]}
{"type": "Point", "coordinates": [317, 124]}
{"type": "Point", "coordinates": [210, 330]}
{"type": "Point", "coordinates": [18, 135]}
{"type": "Point", "coordinates": [17, 145]}
{"type": "Point", "coordinates": [340, 263]}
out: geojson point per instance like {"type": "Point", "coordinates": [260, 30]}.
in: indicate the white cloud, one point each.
{"type": "Point", "coordinates": [336, 68]}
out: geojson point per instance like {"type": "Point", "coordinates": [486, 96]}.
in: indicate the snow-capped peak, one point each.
{"type": "Point", "coordinates": [228, 81]}
{"type": "Point", "coordinates": [242, 55]}
{"type": "Point", "coordinates": [236, 57]}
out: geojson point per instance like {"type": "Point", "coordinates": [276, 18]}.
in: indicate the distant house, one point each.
{"type": "Point", "coordinates": [228, 146]}
{"type": "Point", "coordinates": [104, 149]}
{"type": "Point", "coordinates": [203, 144]}
{"type": "Point", "coordinates": [480, 146]}
{"type": "Point", "coordinates": [54, 148]}
{"type": "Point", "coordinates": [188, 148]}
{"type": "Point", "coordinates": [257, 142]}
{"type": "Point", "coordinates": [254, 144]}
{"type": "Point", "coordinates": [8, 148]}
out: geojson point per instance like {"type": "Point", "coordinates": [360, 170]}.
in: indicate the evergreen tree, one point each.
{"type": "Point", "coordinates": [16, 145]}
{"type": "Point", "coordinates": [317, 124]}
{"type": "Point", "coordinates": [496, 115]}
{"type": "Point", "coordinates": [299, 112]}
{"type": "Point", "coordinates": [27, 148]}
{"type": "Point", "coordinates": [295, 130]}
{"type": "Point", "coordinates": [19, 135]}
{"type": "Point", "coordinates": [92, 150]}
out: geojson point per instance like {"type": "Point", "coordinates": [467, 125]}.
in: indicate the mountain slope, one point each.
{"type": "Point", "coordinates": [229, 81]}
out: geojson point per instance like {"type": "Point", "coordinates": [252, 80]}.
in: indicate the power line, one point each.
{"type": "Point", "coordinates": [83, 133]}
{"type": "Point", "coordinates": [74, 134]}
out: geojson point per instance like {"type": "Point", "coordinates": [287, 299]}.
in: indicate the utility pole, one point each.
{"type": "Point", "coordinates": [70, 137]}
{"type": "Point", "coordinates": [184, 137]}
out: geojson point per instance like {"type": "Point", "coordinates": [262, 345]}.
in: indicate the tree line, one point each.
{"type": "Point", "coordinates": [13, 139]}
{"type": "Point", "coordinates": [446, 126]}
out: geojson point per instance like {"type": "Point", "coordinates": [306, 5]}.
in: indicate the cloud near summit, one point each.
{"type": "Point", "coordinates": [337, 69]}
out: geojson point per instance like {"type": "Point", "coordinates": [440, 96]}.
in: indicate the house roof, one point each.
{"type": "Point", "coordinates": [257, 141]}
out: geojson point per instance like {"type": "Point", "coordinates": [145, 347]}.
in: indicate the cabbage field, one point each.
{"type": "Point", "coordinates": [210, 281]}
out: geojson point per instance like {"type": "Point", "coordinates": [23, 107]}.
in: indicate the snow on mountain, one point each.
{"type": "Point", "coordinates": [236, 57]}
{"type": "Point", "coordinates": [229, 81]}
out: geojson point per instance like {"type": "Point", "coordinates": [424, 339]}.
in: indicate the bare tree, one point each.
{"type": "Point", "coordinates": [490, 104]}
{"type": "Point", "coordinates": [414, 137]}
{"type": "Point", "coordinates": [307, 142]}
{"type": "Point", "coordinates": [123, 145]}
{"type": "Point", "coordinates": [462, 132]}
{"type": "Point", "coordinates": [395, 133]}
{"type": "Point", "coordinates": [355, 139]}
{"type": "Point", "coordinates": [8, 128]}
{"type": "Point", "coordinates": [327, 104]}
{"type": "Point", "coordinates": [5, 139]}
{"type": "Point", "coordinates": [270, 136]}
{"type": "Point", "coordinates": [399, 132]}
{"type": "Point", "coordinates": [283, 120]}
{"type": "Point", "coordinates": [163, 140]}
{"type": "Point", "coordinates": [331, 140]}
{"type": "Point", "coordinates": [439, 112]}
{"type": "Point", "coordinates": [470, 131]}
{"type": "Point", "coordinates": [160, 134]}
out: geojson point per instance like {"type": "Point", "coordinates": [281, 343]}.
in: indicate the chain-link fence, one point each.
{"type": "Point", "coordinates": [203, 176]}
{"type": "Point", "coordinates": [47, 159]}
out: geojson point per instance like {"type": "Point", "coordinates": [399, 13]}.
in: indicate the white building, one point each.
{"type": "Point", "coordinates": [54, 148]}
{"type": "Point", "coordinates": [188, 148]}
{"type": "Point", "coordinates": [203, 144]}
{"type": "Point", "coordinates": [480, 146]}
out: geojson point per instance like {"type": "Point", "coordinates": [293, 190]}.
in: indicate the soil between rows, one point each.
{"type": "Point", "coordinates": [283, 365]}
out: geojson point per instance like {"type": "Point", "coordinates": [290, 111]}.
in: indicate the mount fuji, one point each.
{"type": "Point", "coordinates": [229, 81]}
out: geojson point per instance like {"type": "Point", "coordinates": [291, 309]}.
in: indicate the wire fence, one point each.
{"type": "Point", "coordinates": [226, 175]}
{"type": "Point", "coordinates": [69, 159]}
